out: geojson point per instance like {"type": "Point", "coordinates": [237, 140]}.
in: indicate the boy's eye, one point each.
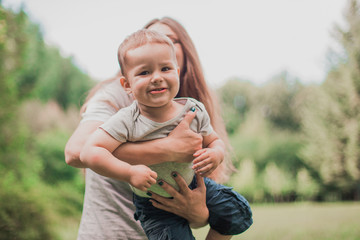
{"type": "Point", "coordinates": [164, 69]}
{"type": "Point", "coordinates": [144, 73]}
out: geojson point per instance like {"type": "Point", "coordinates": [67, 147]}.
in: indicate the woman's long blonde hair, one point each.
{"type": "Point", "coordinates": [192, 84]}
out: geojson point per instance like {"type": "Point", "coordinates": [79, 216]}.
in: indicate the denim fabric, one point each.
{"type": "Point", "coordinates": [159, 224]}
{"type": "Point", "coordinates": [229, 214]}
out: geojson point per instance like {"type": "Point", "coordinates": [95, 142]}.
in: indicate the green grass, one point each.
{"type": "Point", "coordinates": [299, 221]}
{"type": "Point", "coordinates": [295, 221]}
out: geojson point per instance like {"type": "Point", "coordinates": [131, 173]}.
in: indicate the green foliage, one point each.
{"type": "Point", "coordinates": [279, 101]}
{"type": "Point", "coordinates": [8, 99]}
{"type": "Point", "coordinates": [50, 149]}
{"type": "Point", "coordinates": [22, 214]}
{"type": "Point", "coordinates": [331, 126]}
{"type": "Point", "coordinates": [34, 69]}
{"type": "Point", "coordinates": [304, 140]}
{"type": "Point", "coordinates": [307, 188]}
{"type": "Point", "coordinates": [31, 145]}
{"type": "Point", "coordinates": [273, 154]}
{"type": "Point", "coordinates": [236, 98]}
{"type": "Point", "coordinates": [60, 81]}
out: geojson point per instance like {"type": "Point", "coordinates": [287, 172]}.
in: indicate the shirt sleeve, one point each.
{"type": "Point", "coordinates": [106, 102]}
{"type": "Point", "coordinates": [203, 120]}
{"type": "Point", "coordinates": [121, 124]}
{"type": "Point", "coordinates": [116, 127]}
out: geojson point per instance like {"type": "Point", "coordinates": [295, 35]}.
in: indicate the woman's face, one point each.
{"type": "Point", "coordinates": [166, 30]}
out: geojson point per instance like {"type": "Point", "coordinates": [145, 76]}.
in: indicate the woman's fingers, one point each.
{"type": "Point", "coordinates": [168, 188]}
{"type": "Point", "coordinates": [189, 116]}
{"type": "Point", "coordinates": [160, 200]}
{"type": "Point", "coordinates": [179, 198]}
{"type": "Point", "coordinates": [185, 123]}
{"type": "Point", "coordinates": [183, 187]}
{"type": "Point", "coordinates": [160, 205]}
{"type": "Point", "coordinates": [187, 203]}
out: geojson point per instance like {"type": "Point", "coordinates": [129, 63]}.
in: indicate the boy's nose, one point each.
{"type": "Point", "coordinates": [156, 78]}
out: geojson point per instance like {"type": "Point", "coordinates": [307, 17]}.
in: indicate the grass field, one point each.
{"type": "Point", "coordinates": [295, 221]}
{"type": "Point", "coordinates": [301, 221]}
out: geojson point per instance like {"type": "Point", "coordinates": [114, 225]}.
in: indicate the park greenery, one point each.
{"type": "Point", "coordinates": [292, 141]}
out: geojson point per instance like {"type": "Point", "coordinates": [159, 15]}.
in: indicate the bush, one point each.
{"type": "Point", "coordinates": [22, 215]}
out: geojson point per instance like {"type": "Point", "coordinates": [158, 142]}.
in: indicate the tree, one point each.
{"type": "Point", "coordinates": [332, 117]}
{"type": "Point", "coordinates": [279, 102]}
{"type": "Point", "coordinates": [237, 97]}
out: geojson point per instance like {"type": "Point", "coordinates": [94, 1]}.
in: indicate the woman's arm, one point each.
{"type": "Point", "coordinates": [77, 141]}
{"type": "Point", "coordinates": [179, 146]}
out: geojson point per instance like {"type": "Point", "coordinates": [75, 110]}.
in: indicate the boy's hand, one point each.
{"type": "Point", "coordinates": [206, 161]}
{"type": "Point", "coordinates": [142, 177]}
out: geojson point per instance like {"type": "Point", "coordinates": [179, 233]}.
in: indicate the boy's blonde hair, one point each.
{"type": "Point", "coordinates": [138, 39]}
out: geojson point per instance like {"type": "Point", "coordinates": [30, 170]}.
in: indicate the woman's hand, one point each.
{"type": "Point", "coordinates": [186, 203]}
{"type": "Point", "coordinates": [182, 141]}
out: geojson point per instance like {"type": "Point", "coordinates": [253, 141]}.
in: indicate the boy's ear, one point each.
{"type": "Point", "coordinates": [125, 84]}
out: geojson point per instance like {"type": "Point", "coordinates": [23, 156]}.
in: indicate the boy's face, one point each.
{"type": "Point", "coordinates": [152, 74]}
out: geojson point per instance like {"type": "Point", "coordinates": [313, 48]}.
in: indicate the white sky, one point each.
{"type": "Point", "coordinates": [250, 39]}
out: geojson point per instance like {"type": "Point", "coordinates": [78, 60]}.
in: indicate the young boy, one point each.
{"type": "Point", "coordinates": [151, 74]}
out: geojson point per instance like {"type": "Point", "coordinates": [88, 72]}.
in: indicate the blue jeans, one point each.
{"type": "Point", "coordinates": [229, 214]}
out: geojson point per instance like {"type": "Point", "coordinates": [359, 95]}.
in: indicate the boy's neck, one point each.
{"type": "Point", "coordinates": [161, 114]}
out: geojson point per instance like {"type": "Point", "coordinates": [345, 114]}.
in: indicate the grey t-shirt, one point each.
{"type": "Point", "coordinates": [108, 210]}
{"type": "Point", "coordinates": [129, 125]}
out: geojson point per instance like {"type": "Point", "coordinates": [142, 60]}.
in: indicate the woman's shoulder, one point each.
{"type": "Point", "coordinates": [112, 92]}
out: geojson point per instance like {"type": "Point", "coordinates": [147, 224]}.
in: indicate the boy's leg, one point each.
{"type": "Point", "coordinates": [229, 212]}
{"type": "Point", "coordinates": [159, 224]}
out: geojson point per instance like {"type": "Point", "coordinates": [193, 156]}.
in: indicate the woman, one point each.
{"type": "Point", "coordinates": [108, 209]}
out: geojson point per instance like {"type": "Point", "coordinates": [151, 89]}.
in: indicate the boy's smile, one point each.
{"type": "Point", "coordinates": [158, 90]}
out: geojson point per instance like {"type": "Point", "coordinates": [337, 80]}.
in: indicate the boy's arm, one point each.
{"type": "Point", "coordinates": [210, 157]}
{"type": "Point", "coordinates": [97, 155]}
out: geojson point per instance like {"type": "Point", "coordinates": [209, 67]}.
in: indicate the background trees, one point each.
{"type": "Point", "coordinates": [36, 85]}
{"type": "Point", "coordinates": [302, 139]}
{"type": "Point", "coordinates": [331, 126]}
